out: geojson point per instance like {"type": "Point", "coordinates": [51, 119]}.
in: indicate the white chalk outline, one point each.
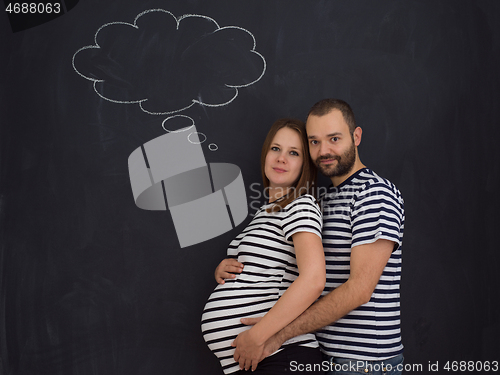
{"type": "Point", "coordinates": [213, 147]}
{"type": "Point", "coordinates": [178, 130]}
{"type": "Point", "coordinates": [178, 20]}
{"type": "Point", "coordinates": [197, 134]}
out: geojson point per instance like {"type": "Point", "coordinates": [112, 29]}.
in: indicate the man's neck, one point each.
{"type": "Point", "coordinates": [337, 180]}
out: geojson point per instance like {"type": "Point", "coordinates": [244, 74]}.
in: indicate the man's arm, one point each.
{"type": "Point", "coordinates": [367, 264]}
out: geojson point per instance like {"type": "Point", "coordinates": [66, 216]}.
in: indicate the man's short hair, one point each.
{"type": "Point", "coordinates": [325, 106]}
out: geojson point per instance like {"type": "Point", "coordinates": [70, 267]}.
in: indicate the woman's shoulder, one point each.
{"type": "Point", "coordinates": [302, 214]}
{"type": "Point", "coordinates": [303, 201]}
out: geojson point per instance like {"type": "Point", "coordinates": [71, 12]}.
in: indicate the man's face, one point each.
{"type": "Point", "coordinates": [331, 144]}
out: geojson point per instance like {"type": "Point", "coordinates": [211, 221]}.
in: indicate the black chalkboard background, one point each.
{"type": "Point", "coordinates": [91, 284]}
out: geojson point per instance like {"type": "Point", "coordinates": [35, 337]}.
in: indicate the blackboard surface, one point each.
{"type": "Point", "coordinates": [92, 284]}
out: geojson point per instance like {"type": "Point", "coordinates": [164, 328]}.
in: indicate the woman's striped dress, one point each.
{"type": "Point", "coordinates": [266, 249]}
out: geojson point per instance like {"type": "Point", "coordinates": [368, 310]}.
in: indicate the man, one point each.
{"type": "Point", "coordinates": [357, 320]}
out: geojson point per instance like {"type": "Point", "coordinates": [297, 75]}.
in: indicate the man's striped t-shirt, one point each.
{"type": "Point", "coordinates": [361, 210]}
{"type": "Point", "coordinates": [265, 247]}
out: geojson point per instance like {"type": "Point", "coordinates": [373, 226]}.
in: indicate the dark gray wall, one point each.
{"type": "Point", "coordinates": [91, 284]}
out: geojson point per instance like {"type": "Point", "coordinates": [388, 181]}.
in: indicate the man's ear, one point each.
{"type": "Point", "coordinates": [357, 136]}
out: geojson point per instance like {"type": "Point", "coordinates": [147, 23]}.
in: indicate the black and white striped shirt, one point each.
{"type": "Point", "coordinates": [266, 249]}
{"type": "Point", "coordinates": [361, 210]}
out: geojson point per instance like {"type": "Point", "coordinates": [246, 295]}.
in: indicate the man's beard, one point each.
{"type": "Point", "coordinates": [345, 162]}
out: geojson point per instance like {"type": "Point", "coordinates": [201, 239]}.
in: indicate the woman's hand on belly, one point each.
{"type": "Point", "coordinates": [227, 269]}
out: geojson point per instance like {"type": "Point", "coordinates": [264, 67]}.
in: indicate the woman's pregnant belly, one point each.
{"type": "Point", "coordinates": [228, 303]}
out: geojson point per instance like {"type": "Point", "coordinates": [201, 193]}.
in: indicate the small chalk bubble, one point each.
{"type": "Point", "coordinates": [196, 138]}
{"type": "Point", "coordinates": [213, 147]}
{"type": "Point", "coordinates": [177, 130]}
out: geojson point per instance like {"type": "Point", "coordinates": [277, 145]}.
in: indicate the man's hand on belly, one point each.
{"type": "Point", "coordinates": [248, 351]}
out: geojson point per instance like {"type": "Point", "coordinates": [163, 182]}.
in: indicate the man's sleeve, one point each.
{"type": "Point", "coordinates": [378, 213]}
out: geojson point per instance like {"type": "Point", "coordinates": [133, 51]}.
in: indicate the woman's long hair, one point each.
{"type": "Point", "coordinates": [306, 183]}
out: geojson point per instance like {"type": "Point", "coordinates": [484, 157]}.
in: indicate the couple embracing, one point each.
{"type": "Point", "coordinates": [312, 284]}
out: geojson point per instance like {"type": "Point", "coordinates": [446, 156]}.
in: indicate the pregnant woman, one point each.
{"type": "Point", "coordinates": [276, 266]}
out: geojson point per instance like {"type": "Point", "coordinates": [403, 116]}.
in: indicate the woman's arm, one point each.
{"type": "Point", "coordinates": [306, 288]}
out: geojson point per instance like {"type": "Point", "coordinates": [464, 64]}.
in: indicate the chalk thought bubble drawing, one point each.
{"type": "Point", "coordinates": [167, 64]}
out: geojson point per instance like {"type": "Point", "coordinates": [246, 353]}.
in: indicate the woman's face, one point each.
{"type": "Point", "coordinates": [284, 159]}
